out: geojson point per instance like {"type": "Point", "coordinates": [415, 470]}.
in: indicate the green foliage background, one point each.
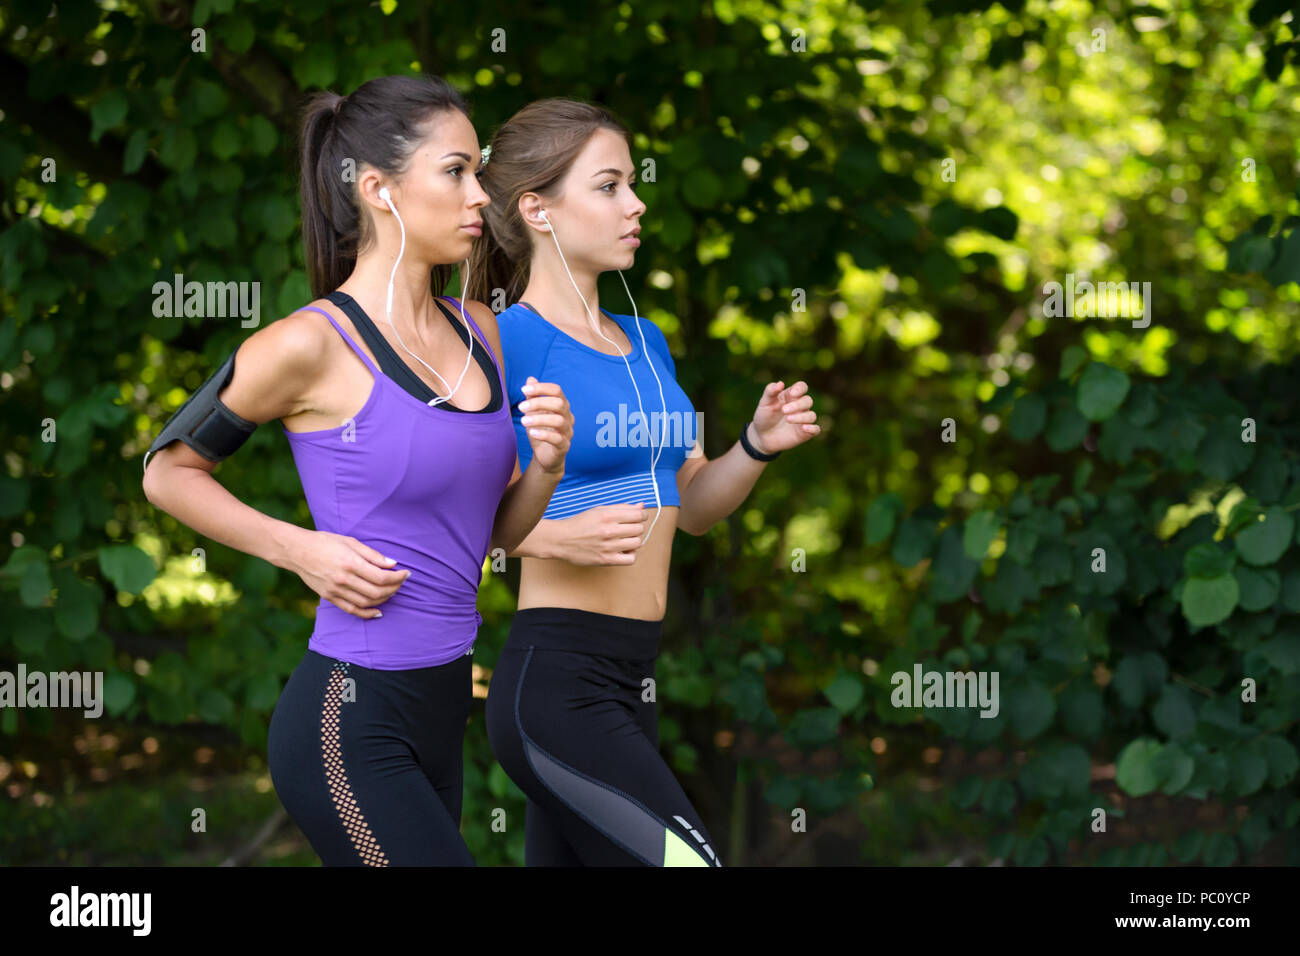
{"type": "Point", "coordinates": [914, 174]}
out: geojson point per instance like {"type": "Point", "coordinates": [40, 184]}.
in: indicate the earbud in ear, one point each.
{"type": "Point", "coordinates": [384, 193]}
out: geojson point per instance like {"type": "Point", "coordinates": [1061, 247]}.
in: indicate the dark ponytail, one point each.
{"type": "Point", "coordinates": [380, 124]}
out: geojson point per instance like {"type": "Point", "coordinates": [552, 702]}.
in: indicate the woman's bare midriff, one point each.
{"type": "Point", "coordinates": [638, 590]}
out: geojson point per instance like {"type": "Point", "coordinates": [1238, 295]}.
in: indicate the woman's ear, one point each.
{"type": "Point", "coordinates": [530, 207]}
{"type": "Point", "coordinates": [369, 182]}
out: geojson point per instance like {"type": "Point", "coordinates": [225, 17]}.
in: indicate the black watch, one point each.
{"type": "Point", "coordinates": [750, 450]}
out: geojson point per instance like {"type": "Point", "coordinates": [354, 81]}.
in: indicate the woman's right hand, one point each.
{"type": "Point", "coordinates": [352, 576]}
{"type": "Point", "coordinates": [608, 534]}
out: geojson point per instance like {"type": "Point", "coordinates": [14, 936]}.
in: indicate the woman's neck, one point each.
{"type": "Point", "coordinates": [555, 298]}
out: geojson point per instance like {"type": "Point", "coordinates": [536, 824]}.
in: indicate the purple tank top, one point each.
{"type": "Point", "coordinates": [419, 484]}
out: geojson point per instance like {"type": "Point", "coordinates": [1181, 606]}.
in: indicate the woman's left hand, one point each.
{"type": "Point", "coordinates": [784, 418]}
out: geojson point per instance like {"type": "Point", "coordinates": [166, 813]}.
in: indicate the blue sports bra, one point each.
{"type": "Point", "coordinates": [608, 461]}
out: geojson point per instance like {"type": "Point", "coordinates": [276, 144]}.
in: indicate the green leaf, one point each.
{"type": "Point", "coordinates": [1264, 541]}
{"type": "Point", "coordinates": [1030, 707]}
{"type": "Point", "coordinates": [1031, 852]}
{"type": "Point", "coordinates": [76, 615]}
{"type": "Point", "coordinates": [844, 692]}
{"type": "Point", "coordinates": [129, 568]}
{"type": "Point", "coordinates": [981, 528]}
{"type": "Point", "coordinates": [814, 727]}
{"type": "Point", "coordinates": [966, 792]}
{"type": "Point", "coordinates": [1208, 601]}
{"type": "Point", "coordinates": [263, 135]}
{"type": "Point", "coordinates": [1187, 847]}
{"type": "Point", "coordinates": [1286, 267]}
{"type": "Point", "coordinates": [226, 140]}
{"type": "Point", "coordinates": [913, 542]}
{"type": "Point", "coordinates": [263, 691]}
{"type": "Point", "coordinates": [1022, 539]}
{"type": "Point", "coordinates": [783, 792]}
{"type": "Point", "coordinates": [1136, 772]}
{"type": "Point", "coordinates": [1206, 559]}
{"type": "Point", "coordinates": [137, 147]}
{"type": "Point", "coordinates": [881, 515]}
{"type": "Point", "coordinates": [1222, 455]}
{"type": "Point", "coordinates": [279, 218]}
{"type": "Point", "coordinates": [1281, 759]}
{"type": "Point", "coordinates": [237, 34]}
{"type": "Point", "coordinates": [1072, 360]}
{"type": "Point", "coordinates": [1129, 682]}
{"type": "Point", "coordinates": [295, 292]}
{"type": "Point", "coordinates": [1067, 428]}
{"type": "Point", "coordinates": [1256, 254]}
{"type": "Point", "coordinates": [215, 707]}
{"type": "Point", "coordinates": [119, 693]}
{"type": "Point", "coordinates": [1081, 709]}
{"type": "Point", "coordinates": [1173, 713]}
{"type": "Point", "coordinates": [701, 188]}
{"type": "Point", "coordinates": [1027, 418]}
{"type": "Point", "coordinates": [315, 66]}
{"type": "Point", "coordinates": [1283, 653]}
{"type": "Point", "coordinates": [1248, 770]}
{"type": "Point", "coordinates": [947, 217]}
{"type": "Point", "coordinates": [952, 573]}
{"type": "Point", "coordinates": [109, 110]}
{"type": "Point", "coordinates": [1102, 390]}
{"type": "Point", "coordinates": [1259, 589]}
{"type": "Point", "coordinates": [1220, 850]}
{"type": "Point", "coordinates": [34, 582]}
{"type": "Point", "coordinates": [998, 221]}
{"type": "Point", "coordinates": [999, 798]}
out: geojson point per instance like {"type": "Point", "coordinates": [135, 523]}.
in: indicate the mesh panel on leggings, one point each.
{"type": "Point", "coordinates": [336, 775]}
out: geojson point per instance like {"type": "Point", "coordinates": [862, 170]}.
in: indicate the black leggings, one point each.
{"type": "Point", "coordinates": [568, 721]}
{"type": "Point", "coordinates": [368, 762]}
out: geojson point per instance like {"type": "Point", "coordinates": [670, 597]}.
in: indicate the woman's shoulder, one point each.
{"type": "Point", "coordinates": [523, 327]}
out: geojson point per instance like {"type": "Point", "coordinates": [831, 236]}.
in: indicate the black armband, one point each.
{"type": "Point", "coordinates": [204, 423]}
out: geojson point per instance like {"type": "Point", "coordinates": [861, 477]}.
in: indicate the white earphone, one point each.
{"type": "Point", "coordinates": [386, 196]}
{"type": "Point", "coordinates": [655, 453]}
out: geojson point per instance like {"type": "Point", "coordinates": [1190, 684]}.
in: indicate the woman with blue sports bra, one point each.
{"type": "Point", "coordinates": [408, 492]}
{"type": "Point", "coordinates": [571, 715]}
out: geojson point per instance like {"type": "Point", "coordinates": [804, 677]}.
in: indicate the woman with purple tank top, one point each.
{"type": "Point", "coordinates": [408, 492]}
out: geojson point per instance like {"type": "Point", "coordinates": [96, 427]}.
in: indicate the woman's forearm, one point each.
{"type": "Point", "coordinates": [540, 542]}
{"type": "Point", "coordinates": [195, 498]}
{"type": "Point", "coordinates": [521, 508]}
{"type": "Point", "coordinates": [718, 489]}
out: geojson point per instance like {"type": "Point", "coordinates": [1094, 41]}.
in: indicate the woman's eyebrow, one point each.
{"type": "Point", "coordinates": [464, 156]}
{"type": "Point", "coordinates": [616, 172]}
